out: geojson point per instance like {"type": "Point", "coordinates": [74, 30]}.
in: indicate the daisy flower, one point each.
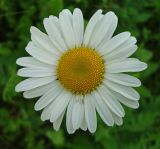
{"type": "Point", "coordinates": [80, 72]}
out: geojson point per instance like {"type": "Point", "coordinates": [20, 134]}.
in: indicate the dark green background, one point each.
{"type": "Point", "coordinates": [20, 125]}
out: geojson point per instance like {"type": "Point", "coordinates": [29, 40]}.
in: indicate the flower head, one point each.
{"type": "Point", "coordinates": [80, 72]}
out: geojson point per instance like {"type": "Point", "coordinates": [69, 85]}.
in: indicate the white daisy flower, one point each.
{"type": "Point", "coordinates": [80, 71]}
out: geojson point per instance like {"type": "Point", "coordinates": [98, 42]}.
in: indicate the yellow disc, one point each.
{"type": "Point", "coordinates": [80, 70]}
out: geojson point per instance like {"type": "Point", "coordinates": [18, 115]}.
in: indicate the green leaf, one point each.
{"type": "Point", "coordinates": [4, 51]}
{"type": "Point", "coordinates": [144, 92]}
{"type": "Point", "coordinates": [57, 138]}
{"type": "Point", "coordinates": [80, 140]}
{"type": "Point", "coordinates": [50, 7]}
{"type": "Point", "coordinates": [143, 54]}
{"type": "Point", "coordinates": [152, 68]}
{"type": "Point", "coordinates": [142, 17]}
{"type": "Point", "coordinates": [9, 90]}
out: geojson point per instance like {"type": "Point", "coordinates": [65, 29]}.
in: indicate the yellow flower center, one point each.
{"type": "Point", "coordinates": [80, 70]}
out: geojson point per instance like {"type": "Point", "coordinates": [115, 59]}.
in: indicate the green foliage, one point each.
{"type": "Point", "coordinates": [20, 125]}
{"type": "Point", "coordinates": [9, 92]}
{"type": "Point", "coordinates": [51, 7]}
{"type": "Point", "coordinates": [59, 135]}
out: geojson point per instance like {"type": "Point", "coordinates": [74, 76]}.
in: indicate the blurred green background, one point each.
{"type": "Point", "coordinates": [20, 125]}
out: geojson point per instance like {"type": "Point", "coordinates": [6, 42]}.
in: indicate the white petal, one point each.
{"type": "Point", "coordinates": [65, 18]}
{"type": "Point", "coordinates": [90, 26]}
{"type": "Point", "coordinates": [32, 63]}
{"type": "Point", "coordinates": [42, 41]}
{"type": "Point", "coordinates": [47, 111]}
{"type": "Point", "coordinates": [69, 117]}
{"type": "Point", "coordinates": [57, 123]}
{"type": "Point", "coordinates": [90, 114]}
{"type": "Point", "coordinates": [49, 96]}
{"type": "Point", "coordinates": [127, 65]}
{"type": "Point", "coordinates": [83, 124]}
{"type": "Point", "coordinates": [112, 44]}
{"type": "Point", "coordinates": [128, 46]}
{"type": "Point", "coordinates": [39, 91]}
{"type": "Point", "coordinates": [102, 109]}
{"type": "Point", "coordinates": [110, 32]}
{"type": "Point", "coordinates": [123, 79]}
{"type": "Point", "coordinates": [120, 54]}
{"type": "Point", "coordinates": [50, 27]}
{"type": "Point", "coordinates": [104, 29]}
{"type": "Point", "coordinates": [131, 41]}
{"type": "Point", "coordinates": [32, 83]}
{"type": "Point", "coordinates": [61, 103]}
{"type": "Point", "coordinates": [54, 33]}
{"type": "Point", "coordinates": [123, 51]}
{"type": "Point", "coordinates": [129, 103]}
{"type": "Point", "coordinates": [77, 114]}
{"type": "Point", "coordinates": [41, 54]}
{"type": "Point", "coordinates": [118, 120]}
{"type": "Point", "coordinates": [127, 92]}
{"type": "Point", "coordinates": [78, 26]}
{"type": "Point", "coordinates": [112, 103]}
{"type": "Point", "coordinates": [34, 72]}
